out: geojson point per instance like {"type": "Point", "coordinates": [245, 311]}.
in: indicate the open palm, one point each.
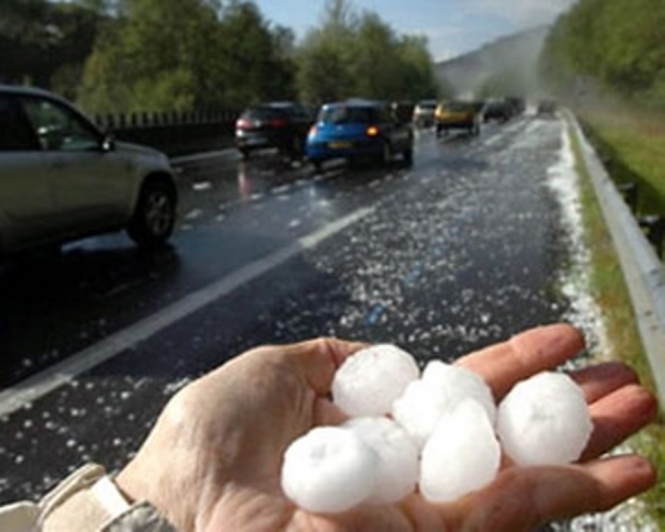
{"type": "Point", "coordinates": [213, 460]}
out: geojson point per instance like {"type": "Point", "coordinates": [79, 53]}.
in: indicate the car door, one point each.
{"type": "Point", "coordinates": [87, 184]}
{"type": "Point", "coordinates": [25, 204]}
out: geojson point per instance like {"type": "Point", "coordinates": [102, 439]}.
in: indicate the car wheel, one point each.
{"type": "Point", "coordinates": [154, 216]}
{"type": "Point", "coordinates": [296, 151]}
{"type": "Point", "coordinates": [408, 156]}
{"type": "Point", "coordinates": [386, 154]}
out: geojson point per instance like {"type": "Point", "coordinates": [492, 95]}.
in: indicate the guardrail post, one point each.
{"type": "Point", "coordinates": [655, 230]}
{"type": "Point", "coordinates": [629, 193]}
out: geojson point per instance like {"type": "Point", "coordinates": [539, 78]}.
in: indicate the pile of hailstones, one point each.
{"type": "Point", "coordinates": [440, 432]}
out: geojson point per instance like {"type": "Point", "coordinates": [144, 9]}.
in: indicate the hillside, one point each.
{"type": "Point", "coordinates": [506, 66]}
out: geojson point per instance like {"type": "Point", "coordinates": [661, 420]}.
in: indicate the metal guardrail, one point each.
{"type": "Point", "coordinates": [643, 270]}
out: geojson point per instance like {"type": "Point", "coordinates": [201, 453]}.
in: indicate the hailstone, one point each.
{"type": "Point", "coordinates": [461, 456]}
{"type": "Point", "coordinates": [440, 390]}
{"type": "Point", "coordinates": [368, 382]}
{"type": "Point", "coordinates": [398, 466]}
{"type": "Point", "coordinates": [329, 470]}
{"type": "Point", "coordinates": [544, 420]}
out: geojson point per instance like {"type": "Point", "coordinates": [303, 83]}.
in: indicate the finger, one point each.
{"type": "Point", "coordinates": [319, 359]}
{"type": "Point", "coordinates": [618, 415]}
{"type": "Point", "coordinates": [602, 379]}
{"type": "Point", "coordinates": [522, 498]}
{"type": "Point", "coordinates": [503, 365]}
{"type": "Point", "coordinates": [326, 413]}
{"type": "Point", "coordinates": [595, 487]}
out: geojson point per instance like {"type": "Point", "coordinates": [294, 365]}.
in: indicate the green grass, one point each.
{"type": "Point", "coordinates": [632, 146]}
{"type": "Point", "coordinates": [609, 289]}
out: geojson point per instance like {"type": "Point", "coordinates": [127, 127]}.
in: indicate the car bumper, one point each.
{"type": "Point", "coordinates": [321, 151]}
{"type": "Point", "coordinates": [458, 124]}
{"type": "Point", "coordinates": [256, 141]}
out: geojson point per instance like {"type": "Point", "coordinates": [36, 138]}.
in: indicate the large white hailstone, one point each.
{"type": "Point", "coordinates": [368, 382]}
{"type": "Point", "coordinates": [329, 470]}
{"type": "Point", "coordinates": [398, 467]}
{"type": "Point", "coordinates": [544, 420]}
{"type": "Point", "coordinates": [440, 390]}
{"type": "Point", "coordinates": [461, 456]}
{"type": "Point", "coordinates": [464, 382]}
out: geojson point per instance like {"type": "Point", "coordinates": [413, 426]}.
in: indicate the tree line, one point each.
{"type": "Point", "coordinates": [619, 44]}
{"type": "Point", "coordinates": [181, 55]}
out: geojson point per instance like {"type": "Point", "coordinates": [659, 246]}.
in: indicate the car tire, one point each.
{"type": "Point", "coordinates": [245, 154]}
{"type": "Point", "coordinates": [408, 156]}
{"type": "Point", "coordinates": [386, 154]}
{"type": "Point", "coordinates": [296, 149]}
{"type": "Point", "coordinates": [154, 216]}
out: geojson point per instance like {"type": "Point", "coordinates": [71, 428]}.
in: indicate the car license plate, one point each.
{"type": "Point", "coordinates": [339, 145]}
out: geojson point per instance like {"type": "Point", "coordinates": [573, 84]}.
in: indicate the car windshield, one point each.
{"type": "Point", "coordinates": [346, 114]}
{"type": "Point", "coordinates": [458, 107]}
{"type": "Point", "coordinates": [265, 113]}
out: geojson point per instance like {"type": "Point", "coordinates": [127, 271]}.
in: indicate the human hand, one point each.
{"type": "Point", "coordinates": [214, 458]}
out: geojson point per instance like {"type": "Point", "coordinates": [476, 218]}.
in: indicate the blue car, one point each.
{"type": "Point", "coordinates": [359, 129]}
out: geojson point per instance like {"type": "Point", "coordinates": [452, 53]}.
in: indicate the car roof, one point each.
{"type": "Point", "coordinates": [32, 91]}
{"type": "Point", "coordinates": [356, 102]}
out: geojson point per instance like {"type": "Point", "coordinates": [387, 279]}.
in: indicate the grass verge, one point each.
{"type": "Point", "coordinates": [609, 289]}
{"type": "Point", "coordinates": [632, 147]}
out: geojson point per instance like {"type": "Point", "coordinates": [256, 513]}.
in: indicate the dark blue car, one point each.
{"type": "Point", "coordinates": [359, 129]}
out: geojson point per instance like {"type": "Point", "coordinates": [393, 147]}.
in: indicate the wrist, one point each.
{"type": "Point", "coordinates": [89, 500]}
{"type": "Point", "coordinates": [140, 482]}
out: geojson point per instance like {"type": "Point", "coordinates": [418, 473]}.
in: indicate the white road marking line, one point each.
{"type": "Point", "coordinates": [31, 389]}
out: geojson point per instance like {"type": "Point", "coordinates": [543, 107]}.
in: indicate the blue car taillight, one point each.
{"type": "Point", "coordinates": [372, 131]}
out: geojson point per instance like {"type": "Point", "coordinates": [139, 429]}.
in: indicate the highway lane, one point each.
{"type": "Point", "coordinates": [461, 250]}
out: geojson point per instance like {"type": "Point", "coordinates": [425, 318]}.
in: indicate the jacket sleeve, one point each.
{"type": "Point", "coordinates": [86, 501]}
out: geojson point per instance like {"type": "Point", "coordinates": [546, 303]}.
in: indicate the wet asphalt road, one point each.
{"type": "Point", "coordinates": [457, 252]}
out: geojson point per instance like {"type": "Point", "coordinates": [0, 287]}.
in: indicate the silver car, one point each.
{"type": "Point", "coordinates": [62, 179]}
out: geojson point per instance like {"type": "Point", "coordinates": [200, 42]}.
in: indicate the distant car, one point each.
{"type": "Point", "coordinates": [281, 125]}
{"type": "Point", "coordinates": [498, 110]}
{"type": "Point", "coordinates": [457, 114]}
{"type": "Point", "coordinates": [62, 179]}
{"type": "Point", "coordinates": [423, 113]}
{"type": "Point", "coordinates": [546, 107]}
{"type": "Point", "coordinates": [517, 103]}
{"type": "Point", "coordinates": [358, 129]}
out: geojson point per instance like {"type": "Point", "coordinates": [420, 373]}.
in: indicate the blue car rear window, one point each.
{"type": "Point", "coordinates": [342, 114]}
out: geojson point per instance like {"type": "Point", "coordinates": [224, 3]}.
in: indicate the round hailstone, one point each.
{"type": "Point", "coordinates": [465, 383]}
{"type": "Point", "coordinates": [398, 466]}
{"type": "Point", "coordinates": [368, 382]}
{"type": "Point", "coordinates": [544, 420]}
{"type": "Point", "coordinates": [461, 456]}
{"type": "Point", "coordinates": [440, 390]}
{"type": "Point", "coordinates": [329, 470]}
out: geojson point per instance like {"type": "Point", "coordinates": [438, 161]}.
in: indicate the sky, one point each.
{"type": "Point", "coordinates": [453, 27]}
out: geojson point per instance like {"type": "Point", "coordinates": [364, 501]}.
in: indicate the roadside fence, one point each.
{"type": "Point", "coordinates": [174, 133]}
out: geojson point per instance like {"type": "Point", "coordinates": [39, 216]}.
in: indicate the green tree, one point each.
{"type": "Point", "coordinates": [360, 55]}
{"type": "Point", "coordinates": [165, 55]}
{"type": "Point", "coordinates": [618, 43]}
